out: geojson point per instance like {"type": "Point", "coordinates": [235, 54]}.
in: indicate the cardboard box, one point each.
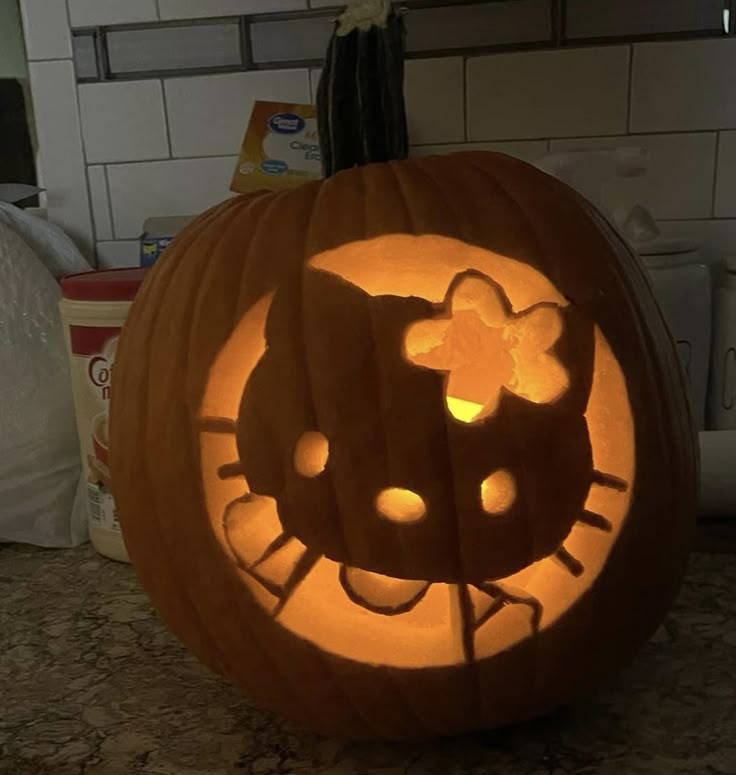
{"type": "Point", "coordinates": [280, 149]}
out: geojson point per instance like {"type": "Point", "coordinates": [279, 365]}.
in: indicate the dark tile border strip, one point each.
{"type": "Point", "coordinates": [557, 39]}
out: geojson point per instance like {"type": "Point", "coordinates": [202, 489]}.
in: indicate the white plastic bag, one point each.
{"type": "Point", "coordinates": [39, 453]}
{"type": "Point", "coordinates": [58, 253]}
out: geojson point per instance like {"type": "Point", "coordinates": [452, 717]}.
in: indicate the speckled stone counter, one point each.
{"type": "Point", "coordinates": [91, 682]}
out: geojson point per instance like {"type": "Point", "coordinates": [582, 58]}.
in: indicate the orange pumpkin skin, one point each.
{"type": "Point", "coordinates": [297, 359]}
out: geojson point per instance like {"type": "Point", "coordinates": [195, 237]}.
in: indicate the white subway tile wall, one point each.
{"type": "Point", "coordinates": [91, 13]}
{"type": "Point", "coordinates": [548, 93]}
{"type": "Point", "coordinates": [174, 187]}
{"type": "Point", "coordinates": [123, 121]}
{"type": "Point", "coordinates": [683, 86]}
{"type": "Point", "coordinates": [680, 176]}
{"type": "Point", "coordinates": [435, 100]}
{"type": "Point", "coordinates": [208, 114]}
{"type": "Point", "coordinates": [169, 148]}
{"type": "Point", "coordinates": [46, 26]}
{"type": "Point", "coordinates": [725, 204]}
{"type": "Point", "coordinates": [61, 158]}
{"type": "Point", "coordinates": [118, 254]}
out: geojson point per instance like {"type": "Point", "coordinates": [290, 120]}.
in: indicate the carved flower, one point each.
{"type": "Point", "coordinates": [485, 348]}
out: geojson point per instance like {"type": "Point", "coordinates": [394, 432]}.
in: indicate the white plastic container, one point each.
{"type": "Point", "coordinates": [717, 473]}
{"type": "Point", "coordinates": [94, 308]}
{"type": "Point", "coordinates": [722, 394]}
{"type": "Point", "coordinates": [682, 286]}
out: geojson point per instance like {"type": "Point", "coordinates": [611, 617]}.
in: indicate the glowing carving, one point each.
{"type": "Point", "coordinates": [498, 492]}
{"type": "Point", "coordinates": [485, 349]}
{"type": "Point", "coordinates": [511, 314]}
{"type": "Point", "coordinates": [311, 453]}
{"type": "Point", "coordinates": [400, 505]}
{"type": "Point", "coordinates": [381, 594]}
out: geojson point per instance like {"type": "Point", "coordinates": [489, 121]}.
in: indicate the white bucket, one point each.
{"type": "Point", "coordinates": [94, 309]}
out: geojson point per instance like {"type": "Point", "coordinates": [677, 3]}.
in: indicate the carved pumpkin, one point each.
{"type": "Point", "coordinates": [405, 451]}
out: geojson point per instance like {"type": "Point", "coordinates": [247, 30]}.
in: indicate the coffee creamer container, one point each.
{"type": "Point", "coordinates": [94, 307]}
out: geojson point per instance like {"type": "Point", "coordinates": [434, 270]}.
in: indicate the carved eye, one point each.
{"type": "Point", "coordinates": [311, 453]}
{"type": "Point", "coordinates": [498, 492]}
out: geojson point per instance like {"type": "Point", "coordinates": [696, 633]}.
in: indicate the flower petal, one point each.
{"type": "Point", "coordinates": [540, 378]}
{"type": "Point", "coordinates": [538, 330]}
{"type": "Point", "coordinates": [381, 594]}
{"type": "Point", "coordinates": [423, 343]}
{"type": "Point", "coordinates": [482, 297]}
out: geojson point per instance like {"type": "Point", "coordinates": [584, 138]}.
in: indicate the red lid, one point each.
{"type": "Point", "coordinates": [110, 285]}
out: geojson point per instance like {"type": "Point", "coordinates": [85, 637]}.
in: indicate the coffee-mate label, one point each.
{"type": "Point", "coordinates": [93, 356]}
{"type": "Point", "coordinates": [280, 149]}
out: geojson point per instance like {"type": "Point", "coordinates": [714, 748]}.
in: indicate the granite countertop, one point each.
{"type": "Point", "coordinates": [91, 682]}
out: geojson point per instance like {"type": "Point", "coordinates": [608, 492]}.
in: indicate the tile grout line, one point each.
{"type": "Point", "coordinates": [716, 219]}
{"type": "Point", "coordinates": [630, 88]}
{"type": "Point", "coordinates": [53, 59]}
{"type": "Point", "coordinates": [91, 212]}
{"type": "Point", "coordinates": [109, 201]}
{"type": "Point", "coordinates": [716, 156]}
{"type": "Point", "coordinates": [83, 145]}
{"type": "Point", "coordinates": [161, 160]}
{"type": "Point", "coordinates": [536, 139]}
{"type": "Point", "coordinates": [69, 21]}
{"type": "Point", "coordinates": [167, 126]}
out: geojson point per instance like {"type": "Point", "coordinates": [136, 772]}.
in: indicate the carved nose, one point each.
{"type": "Point", "coordinates": [399, 505]}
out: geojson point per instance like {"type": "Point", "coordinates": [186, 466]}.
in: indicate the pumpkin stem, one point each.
{"type": "Point", "coordinates": [360, 97]}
